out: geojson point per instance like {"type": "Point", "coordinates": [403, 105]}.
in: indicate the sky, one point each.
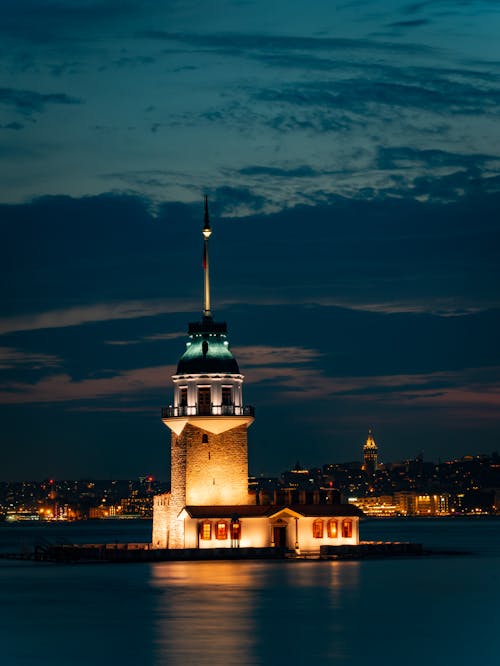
{"type": "Point", "coordinates": [351, 155]}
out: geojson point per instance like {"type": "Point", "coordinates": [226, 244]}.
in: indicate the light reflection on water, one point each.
{"type": "Point", "coordinates": [242, 613]}
{"type": "Point", "coordinates": [204, 615]}
{"type": "Point", "coordinates": [413, 611]}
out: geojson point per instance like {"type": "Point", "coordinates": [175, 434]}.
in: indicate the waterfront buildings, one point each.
{"type": "Point", "coordinates": [467, 486]}
{"type": "Point", "coordinates": [404, 504]}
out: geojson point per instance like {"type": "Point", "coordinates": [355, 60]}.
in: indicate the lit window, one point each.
{"type": "Point", "coordinates": [206, 530]}
{"type": "Point", "coordinates": [332, 529]}
{"type": "Point", "coordinates": [347, 529]}
{"type": "Point", "coordinates": [235, 531]}
{"type": "Point", "coordinates": [318, 529]}
{"type": "Point", "coordinates": [221, 530]}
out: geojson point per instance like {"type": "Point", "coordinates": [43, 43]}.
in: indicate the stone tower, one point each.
{"type": "Point", "coordinates": [370, 454]}
{"type": "Point", "coordinates": [209, 453]}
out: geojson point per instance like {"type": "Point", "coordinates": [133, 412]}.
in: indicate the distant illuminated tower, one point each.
{"type": "Point", "coordinates": [370, 452]}
{"type": "Point", "coordinates": [209, 454]}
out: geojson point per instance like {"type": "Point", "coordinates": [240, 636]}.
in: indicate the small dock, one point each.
{"type": "Point", "coordinates": [371, 549]}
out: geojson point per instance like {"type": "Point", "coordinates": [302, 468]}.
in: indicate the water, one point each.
{"type": "Point", "coordinates": [435, 610]}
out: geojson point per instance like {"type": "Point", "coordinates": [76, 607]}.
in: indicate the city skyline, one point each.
{"type": "Point", "coordinates": [351, 161]}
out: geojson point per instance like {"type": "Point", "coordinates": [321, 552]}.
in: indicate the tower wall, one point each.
{"type": "Point", "coordinates": [161, 520]}
{"type": "Point", "coordinates": [217, 470]}
{"type": "Point", "coordinates": [206, 473]}
{"type": "Point", "coordinates": [370, 460]}
{"type": "Point", "coordinates": [177, 489]}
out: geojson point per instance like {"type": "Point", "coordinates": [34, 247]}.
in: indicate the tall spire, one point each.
{"type": "Point", "coordinates": [207, 231]}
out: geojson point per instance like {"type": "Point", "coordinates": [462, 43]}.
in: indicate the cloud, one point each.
{"type": "Point", "coordinates": [12, 126]}
{"type": "Point", "coordinates": [443, 308]}
{"type": "Point", "coordinates": [404, 156]}
{"type": "Point", "coordinates": [451, 6]}
{"type": "Point", "coordinates": [283, 367]}
{"type": "Point", "coordinates": [475, 390]}
{"type": "Point", "coordinates": [63, 388]}
{"type": "Point", "coordinates": [237, 43]}
{"type": "Point", "coordinates": [13, 358]}
{"type": "Point", "coordinates": [147, 338]}
{"type": "Point", "coordinates": [469, 393]}
{"type": "Point", "coordinates": [54, 21]}
{"type": "Point", "coordinates": [238, 200]}
{"type": "Point", "coordinates": [258, 355]}
{"type": "Point", "coordinates": [28, 102]}
{"type": "Point", "coordinates": [416, 23]}
{"type": "Point", "coordinates": [302, 171]}
{"type": "Point", "coordinates": [99, 312]}
{"type": "Point", "coordinates": [112, 259]}
{"type": "Point", "coordinates": [358, 95]}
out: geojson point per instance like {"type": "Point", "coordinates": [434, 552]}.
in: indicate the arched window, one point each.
{"type": "Point", "coordinates": [221, 530]}
{"type": "Point", "coordinates": [347, 529]}
{"type": "Point", "coordinates": [332, 529]}
{"type": "Point", "coordinates": [206, 530]}
{"type": "Point", "coordinates": [318, 529]}
{"type": "Point", "coordinates": [204, 439]}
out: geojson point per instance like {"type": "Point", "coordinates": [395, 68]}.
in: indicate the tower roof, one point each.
{"type": "Point", "coordinates": [370, 442]}
{"type": "Point", "coordinates": [207, 350]}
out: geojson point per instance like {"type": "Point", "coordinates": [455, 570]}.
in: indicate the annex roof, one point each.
{"type": "Point", "coordinates": [237, 511]}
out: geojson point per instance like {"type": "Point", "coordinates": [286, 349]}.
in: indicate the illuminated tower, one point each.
{"type": "Point", "coordinates": [209, 454]}
{"type": "Point", "coordinates": [370, 452]}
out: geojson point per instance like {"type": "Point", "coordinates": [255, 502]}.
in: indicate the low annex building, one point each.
{"type": "Point", "coordinates": [209, 505]}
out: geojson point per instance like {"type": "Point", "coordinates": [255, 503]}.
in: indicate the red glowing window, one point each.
{"type": "Point", "coordinates": [318, 529]}
{"type": "Point", "coordinates": [332, 529]}
{"type": "Point", "coordinates": [347, 529]}
{"type": "Point", "coordinates": [206, 530]}
{"type": "Point", "coordinates": [221, 530]}
{"type": "Point", "coordinates": [235, 530]}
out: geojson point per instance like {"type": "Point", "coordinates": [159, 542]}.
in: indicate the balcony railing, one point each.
{"type": "Point", "coordinates": [209, 410]}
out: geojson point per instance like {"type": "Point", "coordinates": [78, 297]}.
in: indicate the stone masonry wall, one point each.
{"type": "Point", "coordinates": [216, 471]}
{"type": "Point", "coordinates": [177, 489]}
{"type": "Point", "coordinates": [202, 473]}
{"type": "Point", "coordinates": [160, 520]}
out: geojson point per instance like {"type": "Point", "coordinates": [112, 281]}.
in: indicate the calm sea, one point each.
{"type": "Point", "coordinates": [436, 610]}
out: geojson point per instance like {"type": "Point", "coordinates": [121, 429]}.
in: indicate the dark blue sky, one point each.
{"type": "Point", "coordinates": [351, 155]}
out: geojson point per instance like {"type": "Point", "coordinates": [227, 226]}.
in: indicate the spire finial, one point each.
{"type": "Point", "coordinates": [206, 228]}
{"type": "Point", "coordinates": [206, 231]}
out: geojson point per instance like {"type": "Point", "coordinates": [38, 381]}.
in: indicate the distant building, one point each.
{"type": "Point", "coordinates": [409, 503]}
{"type": "Point", "coordinates": [370, 454]}
{"type": "Point", "coordinates": [381, 506]}
{"type": "Point", "coordinates": [413, 503]}
{"type": "Point", "coordinates": [209, 505]}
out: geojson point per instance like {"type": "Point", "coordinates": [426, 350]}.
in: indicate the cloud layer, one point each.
{"type": "Point", "coordinates": [350, 153]}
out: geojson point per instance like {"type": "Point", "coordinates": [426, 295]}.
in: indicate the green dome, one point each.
{"type": "Point", "coordinates": [207, 351]}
